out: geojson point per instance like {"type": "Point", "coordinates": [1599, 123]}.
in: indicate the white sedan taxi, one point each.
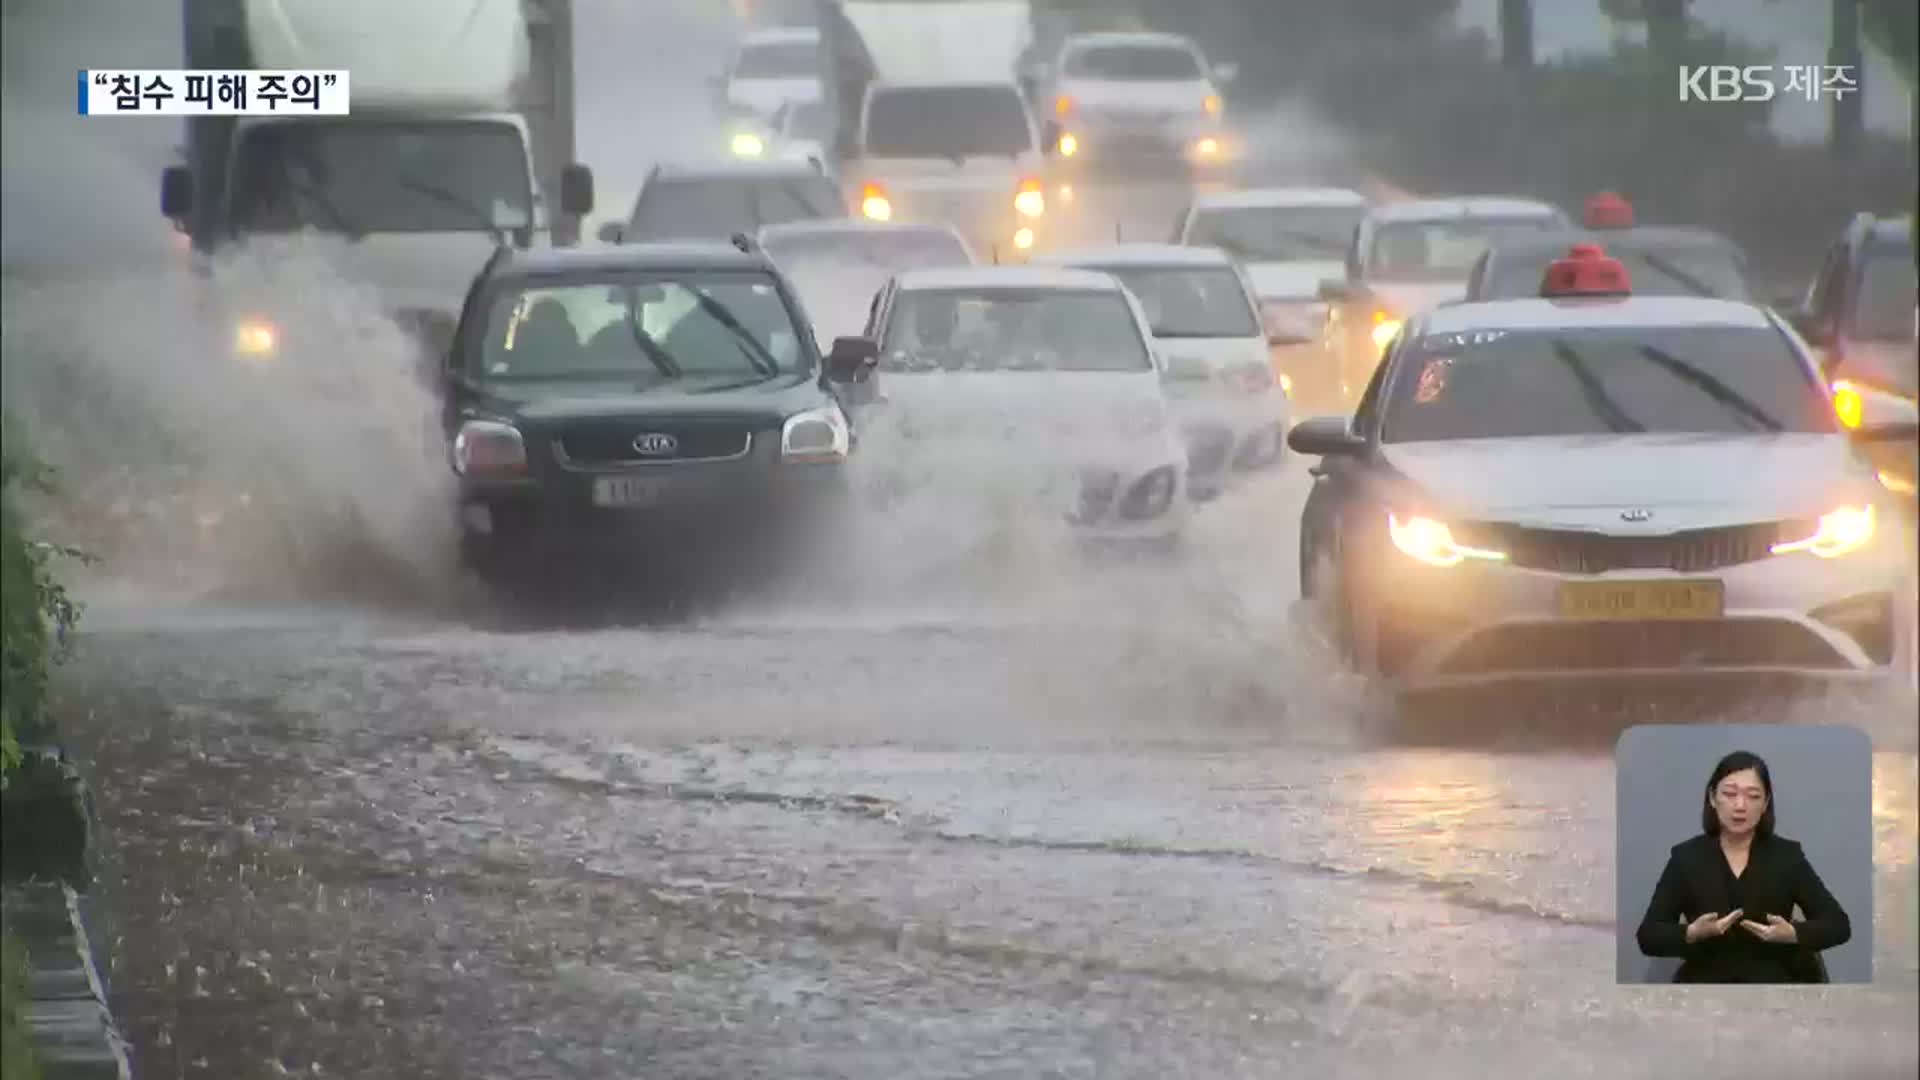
{"type": "Point", "coordinates": [1231, 407]}
{"type": "Point", "coordinates": [1040, 383]}
{"type": "Point", "coordinates": [1592, 484]}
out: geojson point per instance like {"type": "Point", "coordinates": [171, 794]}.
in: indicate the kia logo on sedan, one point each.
{"type": "Point", "coordinates": [1636, 515]}
{"type": "Point", "coordinates": [655, 444]}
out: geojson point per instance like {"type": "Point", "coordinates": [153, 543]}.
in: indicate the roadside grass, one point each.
{"type": "Point", "coordinates": [16, 1050]}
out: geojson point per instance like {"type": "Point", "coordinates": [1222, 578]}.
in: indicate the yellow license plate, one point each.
{"type": "Point", "coordinates": [1635, 600]}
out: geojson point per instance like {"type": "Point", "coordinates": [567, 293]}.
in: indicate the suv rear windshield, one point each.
{"type": "Point", "coordinates": [1508, 385]}
{"type": "Point", "coordinates": [779, 60]}
{"type": "Point", "coordinates": [1191, 302]}
{"type": "Point", "coordinates": [1155, 63]}
{"type": "Point", "coordinates": [716, 207]}
{"type": "Point", "coordinates": [948, 122]}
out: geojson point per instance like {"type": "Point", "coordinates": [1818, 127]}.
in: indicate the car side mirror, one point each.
{"type": "Point", "coordinates": [610, 232]}
{"type": "Point", "coordinates": [1335, 291]}
{"type": "Point", "coordinates": [576, 190]}
{"type": "Point", "coordinates": [176, 191]}
{"type": "Point", "coordinates": [851, 358]}
{"type": "Point", "coordinates": [1324, 436]}
{"type": "Point", "coordinates": [1225, 73]}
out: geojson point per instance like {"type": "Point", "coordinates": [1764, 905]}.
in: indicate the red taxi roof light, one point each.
{"type": "Point", "coordinates": [1585, 270]}
{"type": "Point", "coordinates": [1607, 210]}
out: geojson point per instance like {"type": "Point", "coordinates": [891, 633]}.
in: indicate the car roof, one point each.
{"type": "Point", "coordinates": [910, 82]}
{"type": "Point", "coordinates": [1137, 255]}
{"type": "Point", "coordinates": [732, 168]}
{"type": "Point", "coordinates": [1007, 277]}
{"type": "Point", "coordinates": [778, 35]}
{"type": "Point", "coordinates": [1638, 238]}
{"type": "Point", "coordinates": [1129, 37]}
{"type": "Point", "coordinates": [1649, 312]}
{"type": "Point", "coordinates": [844, 225]}
{"type": "Point", "coordinates": [620, 258]}
{"type": "Point", "coordinates": [1276, 197]}
{"type": "Point", "coordinates": [1467, 206]}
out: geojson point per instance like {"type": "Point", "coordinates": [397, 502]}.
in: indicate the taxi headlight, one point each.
{"type": "Point", "coordinates": [1031, 202]}
{"type": "Point", "coordinates": [1384, 331]}
{"type": "Point", "coordinates": [1023, 239]}
{"type": "Point", "coordinates": [876, 207]}
{"type": "Point", "coordinates": [747, 144]}
{"type": "Point", "coordinates": [1842, 532]}
{"type": "Point", "coordinates": [488, 446]}
{"type": "Point", "coordinates": [1426, 540]}
{"type": "Point", "coordinates": [1069, 145]}
{"type": "Point", "coordinates": [256, 339]}
{"type": "Point", "coordinates": [1848, 405]}
{"type": "Point", "coordinates": [815, 436]}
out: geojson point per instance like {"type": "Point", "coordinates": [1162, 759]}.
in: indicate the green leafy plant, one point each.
{"type": "Point", "coordinates": [37, 615]}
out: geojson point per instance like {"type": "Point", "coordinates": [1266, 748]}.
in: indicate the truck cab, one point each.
{"type": "Point", "coordinates": [451, 148]}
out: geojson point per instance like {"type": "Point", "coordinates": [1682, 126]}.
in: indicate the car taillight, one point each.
{"type": "Point", "coordinates": [1062, 105]}
{"type": "Point", "coordinates": [488, 446]}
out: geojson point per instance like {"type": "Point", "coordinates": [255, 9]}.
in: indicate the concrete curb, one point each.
{"type": "Point", "coordinates": [66, 1012]}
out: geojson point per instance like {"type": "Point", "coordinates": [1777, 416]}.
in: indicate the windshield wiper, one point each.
{"type": "Point", "coordinates": [750, 347]}
{"type": "Point", "coordinates": [1710, 386]}
{"type": "Point", "coordinates": [655, 353]}
{"type": "Point", "coordinates": [452, 201]}
{"type": "Point", "coordinates": [1698, 287]}
{"type": "Point", "coordinates": [1601, 402]}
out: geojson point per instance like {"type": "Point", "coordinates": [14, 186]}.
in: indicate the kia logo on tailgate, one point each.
{"type": "Point", "coordinates": [655, 444]}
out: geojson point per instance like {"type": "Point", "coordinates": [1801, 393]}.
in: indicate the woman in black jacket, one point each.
{"type": "Point", "coordinates": [1724, 901]}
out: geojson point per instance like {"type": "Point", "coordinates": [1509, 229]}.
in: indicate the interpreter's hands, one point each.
{"type": "Point", "coordinates": [1711, 925]}
{"type": "Point", "coordinates": [1775, 930]}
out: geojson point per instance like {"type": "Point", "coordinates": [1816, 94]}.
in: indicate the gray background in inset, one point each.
{"type": "Point", "coordinates": [1823, 797]}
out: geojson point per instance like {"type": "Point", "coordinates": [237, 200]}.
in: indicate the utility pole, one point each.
{"type": "Point", "coordinates": [1848, 120]}
{"type": "Point", "coordinates": [1516, 34]}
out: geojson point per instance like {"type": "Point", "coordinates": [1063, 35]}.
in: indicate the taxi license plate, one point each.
{"type": "Point", "coordinates": [1642, 600]}
{"type": "Point", "coordinates": [627, 492]}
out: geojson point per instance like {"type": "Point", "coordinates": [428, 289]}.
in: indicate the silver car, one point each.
{"type": "Point", "coordinates": [1232, 409]}
{"type": "Point", "coordinates": [1571, 487]}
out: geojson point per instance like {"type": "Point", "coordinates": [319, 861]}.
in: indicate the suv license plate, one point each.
{"type": "Point", "coordinates": [627, 492]}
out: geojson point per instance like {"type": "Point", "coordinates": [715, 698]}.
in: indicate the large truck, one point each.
{"type": "Point", "coordinates": [460, 135]}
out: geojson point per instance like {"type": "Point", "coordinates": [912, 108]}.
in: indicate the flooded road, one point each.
{"type": "Point", "coordinates": [1118, 824]}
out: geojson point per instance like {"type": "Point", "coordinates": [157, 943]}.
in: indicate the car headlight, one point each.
{"type": "Point", "coordinates": [1031, 199]}
{"type": "Point", "coordinates": [256, 339]}
{"type": "Point", "coordinates": [874, 204]}
{"type": "Point", "coordinates": [1426, 540]}
{"type": "Point", "coordinates": [1068, 145]}
{"type": "Point", "coordinates": [816, 436]}
{"type": "Point", "coordinates": [1384, 330]}
{"type": "Point", "coordinates": [747, 144]}
{"type": "Point", "coordinates": [1842, 532]}
{"type": "Point", "coordinates": [484, 447]}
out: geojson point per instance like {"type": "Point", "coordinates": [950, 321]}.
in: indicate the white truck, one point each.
{"type": "Point", "coordinates": [942, 133]}
{"type": "Point", "coordinates": [459, 134]}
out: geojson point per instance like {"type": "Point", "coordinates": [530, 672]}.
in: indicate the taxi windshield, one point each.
{"type": "Point", "coordinates": [1277, 233]}
{"type": "Point", "coordinates": [1191, 302]}
{"type": "Point", "coordinates": [1709, 270]}
{"type": "Point", "coordinates": [643, 330]}
{"type": "Point", "coordinates": [1013, 330]}
{"type": "Point", "coordinates": [1500, 384]}
{"type": "Point", "coordinates": [1424, 251]}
